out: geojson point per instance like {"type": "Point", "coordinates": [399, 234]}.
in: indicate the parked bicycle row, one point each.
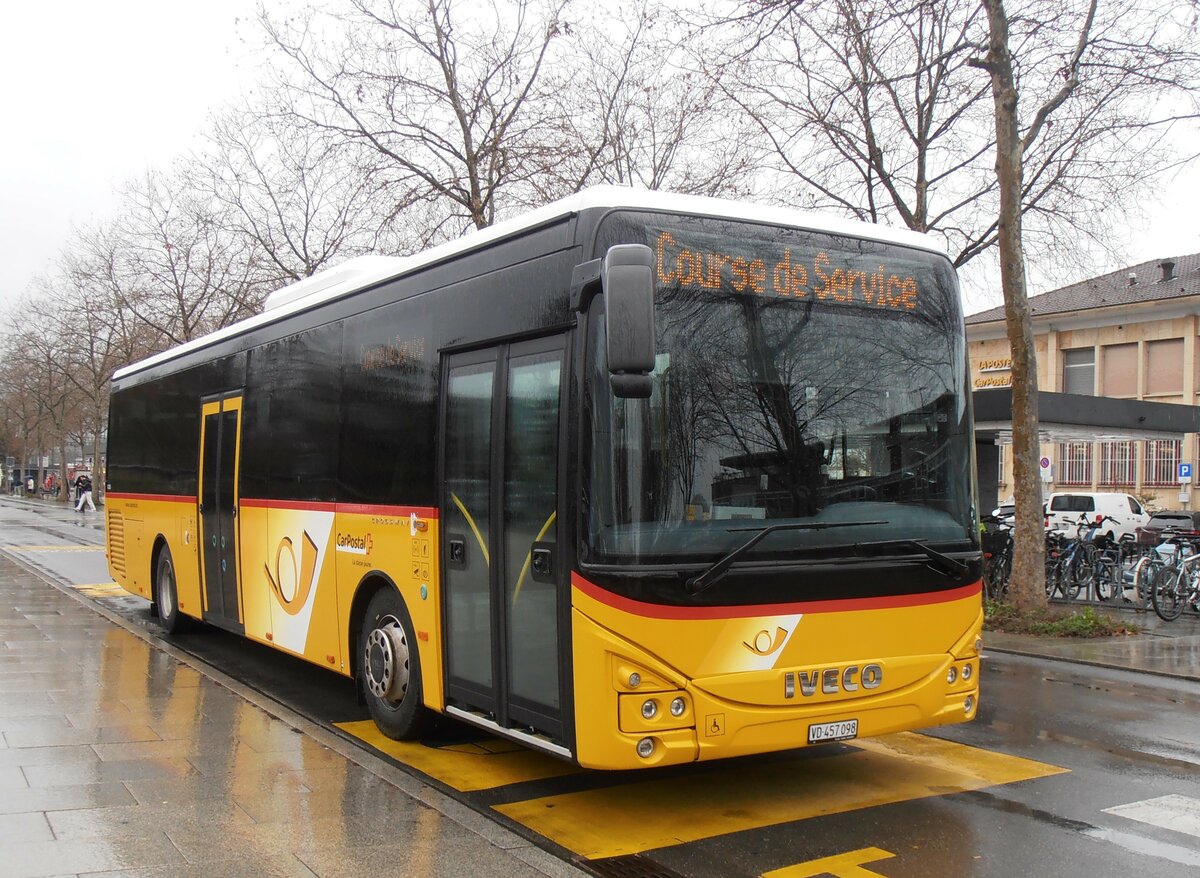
{"type": "Point", "coordinates": [1152, 569]}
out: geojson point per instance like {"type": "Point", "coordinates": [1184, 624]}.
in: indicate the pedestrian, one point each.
{"type": "Point", "coordinates": [83, 490]}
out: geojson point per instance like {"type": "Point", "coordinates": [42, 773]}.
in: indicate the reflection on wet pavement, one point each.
{"type": "Point", "coordinates": [117, 759]}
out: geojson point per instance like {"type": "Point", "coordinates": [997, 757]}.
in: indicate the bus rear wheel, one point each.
{"type": "Point", "coordinates": [390, 669]}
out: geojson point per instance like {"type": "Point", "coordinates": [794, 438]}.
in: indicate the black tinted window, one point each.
{"type": "Point", "coordinates": [1073, 503]}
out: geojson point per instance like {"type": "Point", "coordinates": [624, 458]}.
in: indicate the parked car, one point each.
{"type": "Point", "coordinates": [1178, 520]}
{"type": "Point", "coordinates": [1064, 509]}
{"type": "Point", "coordinates": [1005, 513]}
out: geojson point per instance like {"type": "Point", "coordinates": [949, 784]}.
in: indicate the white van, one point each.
{"type": "Point", "coordinates": [1064, 509]}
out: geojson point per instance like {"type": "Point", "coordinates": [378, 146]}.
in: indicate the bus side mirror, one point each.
{"type": "Point", "coordinates": [627, 277]}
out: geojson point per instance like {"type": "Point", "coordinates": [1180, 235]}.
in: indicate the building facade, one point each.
{"type": "Point", "coordinates": [1132, 335]}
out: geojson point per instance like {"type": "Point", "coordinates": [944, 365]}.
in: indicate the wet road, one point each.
{"type": "Point", "coordinates": [1069, 770]}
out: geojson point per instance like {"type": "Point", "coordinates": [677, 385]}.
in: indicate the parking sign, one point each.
{"type": "Point", "coordinates": [1185, 473]}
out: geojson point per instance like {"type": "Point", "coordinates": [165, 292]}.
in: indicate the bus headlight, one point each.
{"type": "Point", "coordinates": [645, 748]}
{"type": "Point", "coordinates": [649, 709]}
{"type": "Point", "coordinates": [966, 673]}
{"type": "Point", "coordinates": [635, 680]}
{"type": "Point", "coordinates": [678, 706]}
{"type": "Point", "coordinates": [952, 675]}
{"type": "Point", "coordinates": [968, 704]}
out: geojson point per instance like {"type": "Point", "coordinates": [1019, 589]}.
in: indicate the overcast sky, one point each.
{"type": "Point", "coordinates": [94, 93]}
{"type": "Point", "coordinates": [97, 92]}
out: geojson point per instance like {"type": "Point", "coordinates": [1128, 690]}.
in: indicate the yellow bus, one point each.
{"type": "Point", "coordinates": [636, 479]}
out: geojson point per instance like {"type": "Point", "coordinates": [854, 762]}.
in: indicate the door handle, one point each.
{"type": "Point", "coordinates": [456, 551]}
{"type": "Point", "coordinates": [541, 562]}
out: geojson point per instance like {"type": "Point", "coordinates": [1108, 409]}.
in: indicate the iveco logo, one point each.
{"type": "Point", "coordinates": [832, 680]}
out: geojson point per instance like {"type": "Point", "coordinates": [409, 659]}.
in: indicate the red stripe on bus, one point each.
{"type": "Point", "coordinates": [308, 506]}
{"type": "Point", "coordinates": [164, 498]}
{"type": "Point", "coordinates": [343, 508]}
{"type": "Point", "coordinates": [661, 611]}
{"type": "Point", "coordinates": [368, 509]}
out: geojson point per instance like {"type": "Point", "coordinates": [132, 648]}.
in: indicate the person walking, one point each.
{"type": "Point", "coordinates": [83, 490]}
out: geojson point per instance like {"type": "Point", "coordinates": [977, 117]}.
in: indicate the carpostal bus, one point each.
{"type": "Point", "coordinates": [636, 479]}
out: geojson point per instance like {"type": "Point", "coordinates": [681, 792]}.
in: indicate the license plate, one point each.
{"type": "Point", "coordinates": [842, 730]}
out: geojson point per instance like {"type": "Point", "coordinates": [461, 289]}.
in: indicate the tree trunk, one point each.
{"type": "Point", "coordinates": [1027, 588]}
{"type": "Point", "coordinates": [64, 490]}
{"type": "Point", "coordinates": [99, 487]}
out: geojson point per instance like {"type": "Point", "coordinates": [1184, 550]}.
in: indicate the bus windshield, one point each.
{"type": "Point", "coordinates": [799, 377]}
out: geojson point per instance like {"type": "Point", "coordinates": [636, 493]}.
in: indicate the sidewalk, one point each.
{"type": "Point", "coordinates": [1170, 649]}
{"type": "Point", "coordinates": [119, 756]}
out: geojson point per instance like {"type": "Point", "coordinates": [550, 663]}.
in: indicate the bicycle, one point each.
{"type": "Point", "coordinates": [1177, 586]}
{"type": "Point", "coordinates": [1108, 555]}
{"type": "Point", "coordinates": [997, 558]}
{"type": "Point", "coordinates": [1149, 564]}
{"type": "Point", "coordinates": [1075, 563]}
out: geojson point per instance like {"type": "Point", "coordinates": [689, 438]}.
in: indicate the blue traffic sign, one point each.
{"type": "Point", "coordinates": [1185, 472]}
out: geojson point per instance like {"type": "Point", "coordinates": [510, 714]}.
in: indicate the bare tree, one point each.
{"type": "Point", "coordinates": [295, 194]}
{"type": "Point", "coordinates": [450, 96]}
{"type": "Point", "coordinates": [635, 112]}
{"type": "Point", "coordinates": [172, 266]}
{"type": "Point", "coordinates": [871, 108]}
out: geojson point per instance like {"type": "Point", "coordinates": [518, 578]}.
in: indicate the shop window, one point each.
{"type": "Point", "coordinates": [1074, 463]}
{"type": "Point", "coordinates": [1164, 366]}
{"type": "Point", "coordinates": [1159, 464]}
{"type": "Point", "coordinates": [1120, 370]}
{"type": "Point", "coordinates": [1079, 371]}
{"type": "Point", "coordinates": [1118, 464]}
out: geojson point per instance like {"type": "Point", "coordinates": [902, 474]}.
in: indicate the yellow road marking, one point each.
{"type": "Point", "coordinates": [847, 865]}
{"type": "Point", "coordinates": [466, 767]}
{"type": "Point", "coordinates": [640, 816]}
{"type": "Point", "coordinates": [100, 589]}
{"type": "Point", "coordinates": [55, 548]}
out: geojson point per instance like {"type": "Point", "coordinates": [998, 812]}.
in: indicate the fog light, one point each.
{"type": "Point", "coordinates": [967, 672]}
{"type": "Point", "coordinates": [649, 709]}
{"type": "Point", "coordinates": [968, 704]}
{"type": "Point", "coordinates": [678, 706]}
{"type": "Point", "coordinates": [635, 680]}
{"type": "Point", "coordinates": [952, 674]}
{"type": "Point", "coordinates": [645, 747]}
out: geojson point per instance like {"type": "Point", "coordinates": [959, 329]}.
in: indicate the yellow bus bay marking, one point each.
{"type": "Point", "coordinates": [493, 762]}
{"type": "Point", "coordinates": [55, 548]}
{"type": "Point", "coordinates": [643, 815]}
{"type": "Point", "coordinates": [847, 865]}
{"type": "Point", "coordinates": [100, 589]}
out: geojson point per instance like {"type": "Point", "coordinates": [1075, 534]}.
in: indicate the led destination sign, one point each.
{"type": "Point", "coordinates": [793, 273]}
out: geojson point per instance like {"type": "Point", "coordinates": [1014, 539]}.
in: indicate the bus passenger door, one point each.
{"type": "Point", "coordinates": [501, 574]}
{"type": "Point", "coordinates": [220, 446]}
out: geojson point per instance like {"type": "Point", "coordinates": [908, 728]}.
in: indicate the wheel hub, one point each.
{"type": "Point", "coordinates": [386, 664]}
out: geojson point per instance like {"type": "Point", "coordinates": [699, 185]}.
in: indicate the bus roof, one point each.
{"type": "Point", "coordinates": [367, 271]}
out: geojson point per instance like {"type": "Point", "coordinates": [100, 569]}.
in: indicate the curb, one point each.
{"type": "Point", "coordinates": [1108, 666]}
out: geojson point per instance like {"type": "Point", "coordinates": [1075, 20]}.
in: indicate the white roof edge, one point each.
{"type": "Point", "coordinates": [365, 271]}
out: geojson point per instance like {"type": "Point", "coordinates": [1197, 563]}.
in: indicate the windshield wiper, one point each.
{"type": "Point", "coordinates": [717, 571]}
{"type": "Point", "coordinates": [944, 562]}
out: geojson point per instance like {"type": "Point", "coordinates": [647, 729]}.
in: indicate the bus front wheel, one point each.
{"type": "Point", "coordinates": [166, 594]}
{"type": "Point", "coordinates": [390, 669]}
